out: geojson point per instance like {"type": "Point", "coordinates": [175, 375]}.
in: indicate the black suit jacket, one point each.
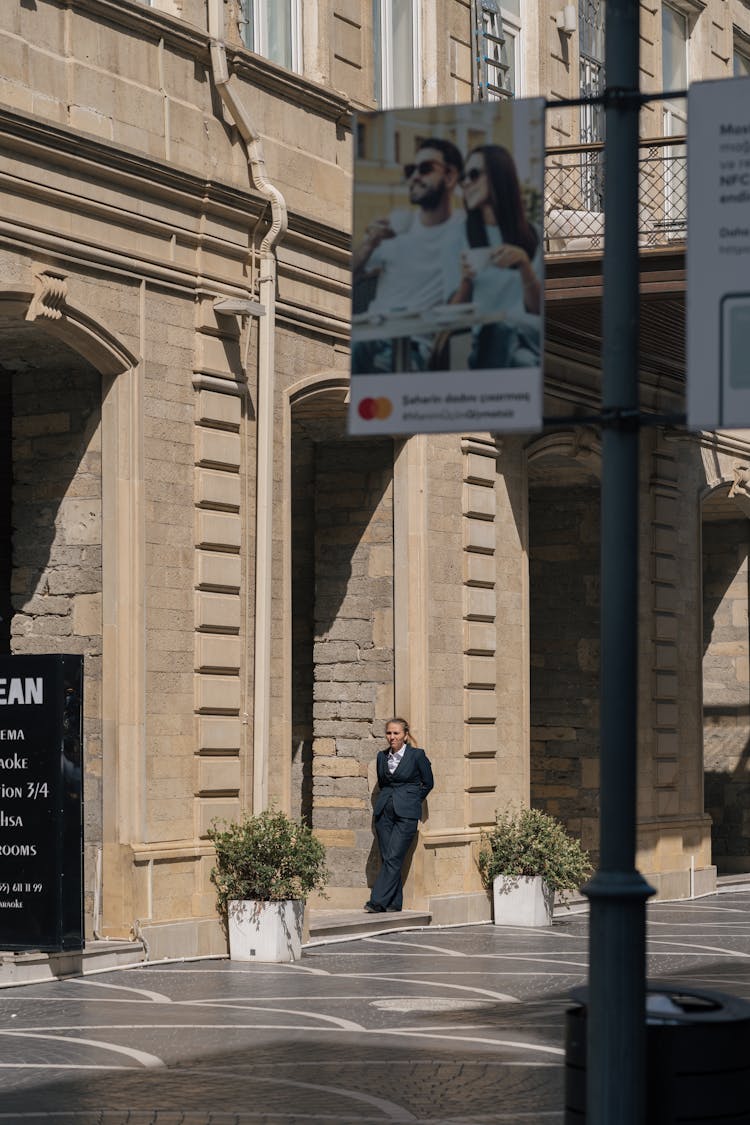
{"type": "Point", "coordinates": [409, 784]}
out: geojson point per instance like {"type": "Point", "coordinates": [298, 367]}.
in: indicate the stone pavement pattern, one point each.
{"type": "Point", "coordinates": [448, 1027]}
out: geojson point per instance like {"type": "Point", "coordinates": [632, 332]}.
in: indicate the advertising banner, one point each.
{"type": "Point", "coordinates": [448, 269]}
{"type": "Point", "coordinates": [41, 800]}
{"type": "Point", "coordinates": [718, 255]}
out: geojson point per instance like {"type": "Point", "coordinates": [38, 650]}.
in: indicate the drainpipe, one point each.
{"type": "Point", "coordinates": [226, 85]}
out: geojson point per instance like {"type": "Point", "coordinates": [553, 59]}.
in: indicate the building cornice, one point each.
{"type": "Point", "coordinates": [310, 233]}
{"type": "Point", "coordinates": [73, 149]}
{"type": "Point", "coordinates": [87, 155]}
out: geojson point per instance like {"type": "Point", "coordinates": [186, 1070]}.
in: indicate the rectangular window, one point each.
{"type": "Point", "coordinates": [675, 31]}
{"type": "Point", "coordinates": [395, 40]}
{"type": "Point", "coordinates": [498, 55]}
{"type": "Point", "coordinates": [273, 28]}
{"type": "Point", "coordinates": [510, 14]}
{"type": "Point", "coordinates": [674, 41]}
{"type": "Point", "coordinates": [591, 24]}
{"type": "Point", "coordinates": [741, 64]}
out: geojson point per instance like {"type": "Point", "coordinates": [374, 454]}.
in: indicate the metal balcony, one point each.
{"type": "Point", "coordinates": [574, 196]}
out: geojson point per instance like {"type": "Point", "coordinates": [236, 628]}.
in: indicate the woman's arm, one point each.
{"type": "Point", "coordinates": [425, 773]}
{"type": "Point", "coordinates": [463, 294]}
{"type": "Point", "coordinates": [509, 257]}
{"type": "Point", "coordinates": [381, 769]}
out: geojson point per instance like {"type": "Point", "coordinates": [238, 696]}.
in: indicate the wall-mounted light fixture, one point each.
{"type": "Point", "coordinates": [566, 19]}
{"type": "Point", "coordinates": [238, 306]}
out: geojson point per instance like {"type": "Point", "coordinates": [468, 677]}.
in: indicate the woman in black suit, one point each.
{"type": "Point", "coordinates": [405, 779]}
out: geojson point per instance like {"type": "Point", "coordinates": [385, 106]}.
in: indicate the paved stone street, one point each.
{"type": "Point", "coordinates": [441, 1026]}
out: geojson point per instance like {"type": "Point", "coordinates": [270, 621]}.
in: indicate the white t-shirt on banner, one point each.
{"type": "Point", "coordinates": [411, 266]}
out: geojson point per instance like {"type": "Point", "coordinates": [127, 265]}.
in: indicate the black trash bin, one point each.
{"type": "Point", "coordinates": [697, 1057]}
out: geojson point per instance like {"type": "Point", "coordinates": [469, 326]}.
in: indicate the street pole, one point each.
{"type": "Point", "coordinates": [615, 1085]}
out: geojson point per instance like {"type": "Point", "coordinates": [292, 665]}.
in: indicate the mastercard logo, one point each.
{"type": "Point", "coordinates": [370, 408]}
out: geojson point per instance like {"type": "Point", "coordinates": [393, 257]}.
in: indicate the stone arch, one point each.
{"type": "Point", "coordinates": [577, 451]}
{"type": "Point", "coordinates": [46, 306]}
{"type": "Point", "coordinates": [333, 385]}
{"type": "Point", "coordinates": [314, 410]}
{"type": "Point", "coordinates": [48, 330]}
{"type": "Point", "coordinates": [563, 472]}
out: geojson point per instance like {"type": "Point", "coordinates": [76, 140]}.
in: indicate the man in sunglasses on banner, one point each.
{"type": "Point", "coordinates": [406, 264]}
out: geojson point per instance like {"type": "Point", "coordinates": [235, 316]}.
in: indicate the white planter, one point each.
{"type": "Point", "coordinates": [522, 900]}
{"type": "Point", "coordinates": [265, 931]}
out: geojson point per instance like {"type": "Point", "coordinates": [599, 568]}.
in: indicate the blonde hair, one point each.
{"type": "Point", "coordinates": [403, 723]}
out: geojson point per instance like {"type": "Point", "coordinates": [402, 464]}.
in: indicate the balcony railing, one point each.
{"type": "Point", "coordinates": [574, 196]}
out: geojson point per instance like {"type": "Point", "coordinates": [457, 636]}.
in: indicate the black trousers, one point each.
{"type": "Point", "coordinates": [395, 834]}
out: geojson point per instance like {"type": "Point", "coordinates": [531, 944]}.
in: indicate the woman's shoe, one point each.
{"type": "Point", "coordinates": [393, 909]}
{"type": "Point", "coordinates": [371, 908]}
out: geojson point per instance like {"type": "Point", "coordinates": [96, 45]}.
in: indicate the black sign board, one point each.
{"type": "Point", "coordinates": [41, 802]}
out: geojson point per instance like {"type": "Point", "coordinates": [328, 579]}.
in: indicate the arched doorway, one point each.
{"type": "Point", "coordinates": [564, 541]}
{"type": "Point", "coordinates": [51, 537]}
{"type": "Point", "coordinates": [68, 533]}
{"type": "Point", "coordinates": [726, 679]}
{"type": "Point", "coordinates": [342, 649]}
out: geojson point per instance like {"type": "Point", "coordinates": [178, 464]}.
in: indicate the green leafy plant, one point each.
{"type": "Point", "coordinates": [531, 842]}
{"type": "Point", "coordinates": [268, 857]}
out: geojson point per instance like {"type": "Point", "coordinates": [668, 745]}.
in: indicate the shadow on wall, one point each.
{"type": "Point", "coordinates": [727, 791]}
{"type": "Point", "coordinates": [564, 538]}
{"type": "Point", "coordinates": [55, 511]}
{"type": "Point", "coordinates": [50, 508]}
{"type": "Point", "coordinates": [342, 609]}
{"type": "Point", "coordinates": [726, 685]}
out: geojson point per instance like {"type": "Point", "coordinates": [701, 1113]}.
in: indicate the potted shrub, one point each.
{"type": "Point", "coordinates": [266, 866]}
{"type": "Point", "coordinates": [525, 859]}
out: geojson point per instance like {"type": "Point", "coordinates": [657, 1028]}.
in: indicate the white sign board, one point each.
{"type": "Point", "coordinates": [448, 269]}
{"type": "Point", "coordinates": [718, 257]}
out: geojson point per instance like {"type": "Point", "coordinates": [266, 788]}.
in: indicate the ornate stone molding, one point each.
{"type": "Point", "coordinates": [50, 295]}
{"type": "Point", "coordinates": [582, 445]}
{"type": "Point", "coordinates": [740, 488]}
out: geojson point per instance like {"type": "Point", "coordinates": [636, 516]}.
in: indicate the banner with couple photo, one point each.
{"type": "Point", "coordinates": [448, 269]}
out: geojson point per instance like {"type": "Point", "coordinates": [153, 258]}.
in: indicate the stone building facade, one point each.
{"type": "Point", "coordinates": [254, 593]}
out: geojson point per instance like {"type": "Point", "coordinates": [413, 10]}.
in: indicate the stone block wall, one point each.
{"type": "Point", "coordinates": [303, 625]}
{"type": "Point", "coordinates": [168, 473]}
{"type": "Point", "coordinates": [475, 663]}
{"type": "Point", "coordinates": [668, 773]}
{"type": "Point", "coordinates": [483, 628]}
{"type": "Point", "coordinates": [564, 638]}
{"type": "Point", "coordinates": [673, 830]}
{"type": "Point", "coordinates": [219, 604]}
{"type": "Point", "coordinates": [726, 691]}
{"type": "Point", "coordinates": [353, 652]}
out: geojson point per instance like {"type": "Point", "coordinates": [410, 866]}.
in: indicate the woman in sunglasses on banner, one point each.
{"type": "Point", "coordinates": [500, 264]}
